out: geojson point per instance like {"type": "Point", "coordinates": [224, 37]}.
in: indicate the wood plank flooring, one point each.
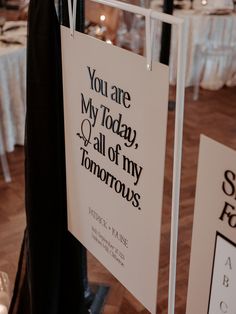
{"type": "Point", "coordinates": [214, 115]}
{"type": "Point", "coordinates": [12, 214]}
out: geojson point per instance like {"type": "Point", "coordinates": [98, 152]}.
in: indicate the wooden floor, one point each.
{"type": "Point", "coordinates": [213, 115]}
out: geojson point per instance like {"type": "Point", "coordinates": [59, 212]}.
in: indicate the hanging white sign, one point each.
{"type": "Point", "coordinates": [115, 134]}
{"type": "Point", "coordinates": [212, 277]}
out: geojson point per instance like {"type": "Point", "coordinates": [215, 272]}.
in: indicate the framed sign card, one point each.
{"type": "Point", "coordinates": [212, 277]}
{"type": "Point", "coordinates": [115, 133]}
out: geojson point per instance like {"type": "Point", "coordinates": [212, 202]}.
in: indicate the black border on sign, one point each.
{"type": "Point", "coordinates": [213, 264]}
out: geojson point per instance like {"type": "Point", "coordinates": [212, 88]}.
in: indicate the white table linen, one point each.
{"type": "Point", "coordinates": [12, 91]}
{"type": "Point", "coordinates": [201, 30]}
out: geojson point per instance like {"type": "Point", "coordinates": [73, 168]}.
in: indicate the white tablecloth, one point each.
{"type": "Point", "coordinates": [203, 29]}
{"type": "Point", "coordinates": [12, 94]}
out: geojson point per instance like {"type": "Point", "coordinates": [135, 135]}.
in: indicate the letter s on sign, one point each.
{"type": "Point", "coordinates": [228, 185]}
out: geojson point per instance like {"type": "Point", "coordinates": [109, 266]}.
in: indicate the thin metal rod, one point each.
{"type": "Point", "coordinates": [3, 159]}
{"type": "Point", "coordinates": [5, 168]}
{"type": "Point", "coordinates": [142, 11]}
{"type": "Point", "coordinates": [74, 13]}
{"type": "Point", "coordinates": [179, 116]}
{"type": "Point", "coordinates": [148, 41]}
{"type": "Point", "coordinates": [70, 12]}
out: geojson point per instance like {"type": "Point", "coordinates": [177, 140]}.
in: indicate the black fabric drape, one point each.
{"type": "Point", "coordinates": [54, 267]}
{"type": "Point", "coordinates": [19, 303]}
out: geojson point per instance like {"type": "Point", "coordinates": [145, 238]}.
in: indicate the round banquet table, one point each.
{"type": "Point", "coordinates": [203, 30]}
{"type": "Point", "coordinates": [12, 87]}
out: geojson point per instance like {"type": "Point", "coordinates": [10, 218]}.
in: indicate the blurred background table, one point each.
{"type": "Point", "coordinates": [209, 37]}
{"type": "Point", "coordinates": [12, 85]}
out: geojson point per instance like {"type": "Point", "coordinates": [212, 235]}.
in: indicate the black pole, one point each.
{"type": "Point", "coordinates": [63, 13]}
{"type": "Point", "coordinates": [168, 6]}
{"type": "Point", "coordinates": [88, 293]}
{"type": "Point", "coordinates": [80, 26]}
{"type": "Point", "coordinates": [80, 20]}
{"type": "Point", "coordinates": [80, 14]}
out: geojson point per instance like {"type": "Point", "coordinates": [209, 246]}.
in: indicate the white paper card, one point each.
{"type": "Point", "coordinates": [222, 298]}
{"type": "Point", "coordinates": [212, 282]}
{"type": "Point", "coordinates": [115, 132]}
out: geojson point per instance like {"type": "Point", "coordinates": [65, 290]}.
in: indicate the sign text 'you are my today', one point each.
{"type": "Point", "coordinates": [114, 123]}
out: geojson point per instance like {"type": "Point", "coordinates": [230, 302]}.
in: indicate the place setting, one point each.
{"type": "Point", "coordinates": [12, 30]}
{"type": "Point", "coordinates": [217, 7]}
{"type": "Point", "coordinates": [13, 33]}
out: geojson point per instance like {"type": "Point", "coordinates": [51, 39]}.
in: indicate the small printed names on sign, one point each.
{"type": "Point", "coordinates": [223, 285]}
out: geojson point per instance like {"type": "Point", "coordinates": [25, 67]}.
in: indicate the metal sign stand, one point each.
{"type": "Point", "coordinates": [178, 137]}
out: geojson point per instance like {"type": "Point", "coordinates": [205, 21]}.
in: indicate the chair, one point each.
{"type": "Point", "coordinates": [4, 292]}
{"type": "Point", "coordinates": [3, 158]}
{"type": "Point", "coordinates": [217, 53]}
